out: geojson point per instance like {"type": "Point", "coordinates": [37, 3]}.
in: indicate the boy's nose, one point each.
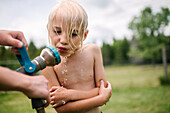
{"type": "Point", "coordinates": [63, 39]}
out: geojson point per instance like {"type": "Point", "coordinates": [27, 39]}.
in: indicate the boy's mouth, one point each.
{"type": "Point", "coordinates": [62, 49]}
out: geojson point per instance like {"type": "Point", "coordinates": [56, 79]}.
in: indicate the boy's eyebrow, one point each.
{"type": "Point", "coordinates": [57, 27]}
{"type": "Point", "coordinates": [75, 30]}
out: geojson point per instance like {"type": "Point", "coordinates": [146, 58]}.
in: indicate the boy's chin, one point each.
{"type": "Point", "coordinates": [65, 54]}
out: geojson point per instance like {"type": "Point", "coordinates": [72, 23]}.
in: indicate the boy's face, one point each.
{"type": "Point", "coordinates": [60, 41]}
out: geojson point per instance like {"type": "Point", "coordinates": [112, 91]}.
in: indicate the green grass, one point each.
{"type": "Point", "coordinates": [134, 76]}
{"type": "Point", "coordinates": [139, 100]}
{"type": "Point", "coordinates": [15, 102]}
{"type": "Point", "coordinates": [136, 89]}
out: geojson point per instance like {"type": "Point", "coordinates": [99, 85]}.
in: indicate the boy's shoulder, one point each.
{"type": "Point", "coordinates": [91, 47]}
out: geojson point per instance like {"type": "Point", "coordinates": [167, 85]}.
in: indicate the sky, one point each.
{"type": "Point", "coordinates": [107, 18]}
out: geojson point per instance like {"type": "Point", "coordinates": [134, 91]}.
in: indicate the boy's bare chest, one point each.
{"type": "Point", "coordinates": [76, 72]}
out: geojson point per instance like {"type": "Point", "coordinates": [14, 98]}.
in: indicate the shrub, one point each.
{"type": "Point", "coordinates": [164, 81]}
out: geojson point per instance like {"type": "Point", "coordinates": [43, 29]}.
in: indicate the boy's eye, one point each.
{"type": "Point", "coordinates": [74, 34]}
{"type": "Point", "coordinates": [57, 31]}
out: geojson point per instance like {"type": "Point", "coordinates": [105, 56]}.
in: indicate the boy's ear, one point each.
{"type": "Point", "coordinates": [85, 34]}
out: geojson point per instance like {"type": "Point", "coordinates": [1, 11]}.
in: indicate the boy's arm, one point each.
{"type": "Point", "coordinates": [73, 95]}
{"type": "Point", "coordinates": [63, 93]}
{"type": "Point", "coordinates": [87, 104]}
{"type": "Point", "coordinates": [98, 66]}
{"type": "Point", "coordinates": [50, 75]}
{"type": "Point", "coordinates": [60, 95]}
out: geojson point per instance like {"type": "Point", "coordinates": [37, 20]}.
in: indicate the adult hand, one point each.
{"type": "Point", "coordinates": [37, 88]}
{"type": "Point", "coordinates": [13, 38]}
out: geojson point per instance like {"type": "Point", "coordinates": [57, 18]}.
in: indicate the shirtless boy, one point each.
{"type": "Point", "coordinates": [81, 73]}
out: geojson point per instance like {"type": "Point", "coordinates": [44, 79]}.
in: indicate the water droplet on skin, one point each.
{"type": "Point", "coordinates": [65, 79]}
{"type": "Point", "coordinates": [62, 72]}
{"type": "Point", "coordinates": [62, 83]}
{"type": "Point", "coordinates": [81, 72]}
{"type": "Point", "coordinates": [64, 66]}
{"type": "Point", "coordinates": [69, 55]}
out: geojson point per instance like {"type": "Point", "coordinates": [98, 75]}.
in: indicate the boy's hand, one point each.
{"type": "Point", "coordinates": [105, 93]}
{"type": "Point", "coordinates": [58, 96]}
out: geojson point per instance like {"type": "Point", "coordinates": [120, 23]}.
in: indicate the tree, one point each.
{"type": "Point", "coordinates": [32, 50]}
{"type": "Point", "coordinates": [149, 34]}
{"type": "Point", "coordinates": [163, 19]}
{"type": "Point", "coordinates": [107, 53]}
{"type": "Point", "coordinates": [2, 53]}
{"type": "Point", "coordinates": [121, 49]}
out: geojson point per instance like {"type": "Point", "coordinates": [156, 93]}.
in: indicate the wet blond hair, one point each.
{"type": "Point", "coordinates": [72, 15]}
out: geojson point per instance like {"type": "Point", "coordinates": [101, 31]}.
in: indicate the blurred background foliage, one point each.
{"type": "Point", "coordinates": [136, 87]}
{"type": "Point", "coordinates": [8, 59]}
{"type": "Point", "coordinates": [149, 43]}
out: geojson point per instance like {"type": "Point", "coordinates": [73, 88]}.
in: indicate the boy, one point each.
{"type": "Point", "coordinates": [81, 73]}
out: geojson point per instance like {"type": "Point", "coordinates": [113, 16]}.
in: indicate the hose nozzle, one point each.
{"type": "Point", "coordinates": [48, 57]}
{"type": "Point", "coordinates": [51, 56]}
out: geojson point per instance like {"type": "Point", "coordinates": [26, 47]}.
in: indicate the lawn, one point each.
{"type": "Point", "coordinates": [136, 89]}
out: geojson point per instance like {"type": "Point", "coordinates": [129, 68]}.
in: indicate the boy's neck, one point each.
{"type": "Point", "coordinates": [77, 51]}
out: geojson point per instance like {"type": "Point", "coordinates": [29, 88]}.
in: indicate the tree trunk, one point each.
{"type": "Point", "coordinates": [165, 62]}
